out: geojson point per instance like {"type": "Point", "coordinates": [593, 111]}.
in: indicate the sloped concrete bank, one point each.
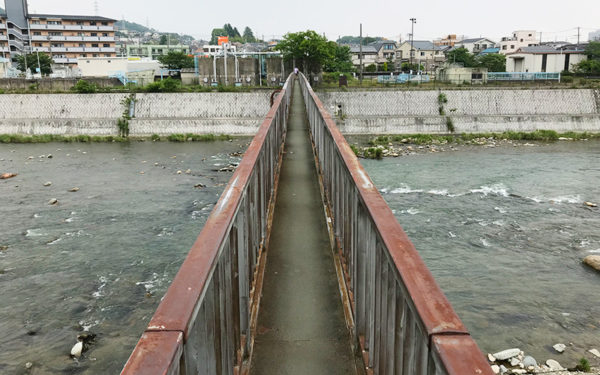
{"type": "Point", "coordinates": [358, 112]}
{"type": "Point", "coordinates": [468, 111]}
{"type": "Point", "coordinates": [162, 114]}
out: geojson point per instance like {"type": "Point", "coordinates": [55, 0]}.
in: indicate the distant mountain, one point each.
{"type": "Point", "coordinates": [132, 26]}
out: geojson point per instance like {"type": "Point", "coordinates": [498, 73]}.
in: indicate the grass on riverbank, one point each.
{"type": "Point", "coordinates": [538, 135]}
{"type": "Point", "coordinates": [47, 138]}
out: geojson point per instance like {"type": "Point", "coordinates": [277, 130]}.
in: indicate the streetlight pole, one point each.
{"type": "Point", "coordinates": [412, 39]}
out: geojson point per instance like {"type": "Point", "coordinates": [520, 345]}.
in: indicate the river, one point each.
{"type": "Point", "coordinates": [101, 259]}
{"type": "Point", "coordinates": [504, 231]}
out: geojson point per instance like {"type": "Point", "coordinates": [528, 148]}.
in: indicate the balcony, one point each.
{"type": "Point", "coordinates": [40, 49]}
{"type": "Point", "coordinates": [3, 37]}
{"type": "Point", "coordinates": [91, 38]}
{"type": "Point", "coordinates": [2, 26]}
{"type": "Point", "coordinates": [107, 38]}
{"type": "Point", "coordinates": [59, 49]}
{"type": "Point", "coordinates": [107, 49]}
{"type": "Point", "coordinates": [57, 37]}
{"type": "Point", "coordinates": [75, 49]}
{"type": "Point", "coordinates": [92, 49]}
{"type": "Point", "coordinates": [4, 49]}
{"type": "Point", "coordinates": [64, 60]}
{"type": "Point", "coordinates": [42, 38]}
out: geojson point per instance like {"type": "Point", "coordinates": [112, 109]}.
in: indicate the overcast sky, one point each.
{"type": "Point", "coordinates": [435, 18]}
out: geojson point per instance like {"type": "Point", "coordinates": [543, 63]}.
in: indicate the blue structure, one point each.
{"type": "Point", "coordinates": [403, 78]}
{"type": "Point", "coordinates": [488, 51]}
{"type": "Point", "coordinates": [523, 76]}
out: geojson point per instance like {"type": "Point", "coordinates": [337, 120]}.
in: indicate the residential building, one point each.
{"type": "Point", "coordinates": [378, 52]}
{"type": "Point", "coordinates": [153, 51]}
{"type": "Point", "coordinates": [64, 37]}
{"type": "Point", "coordinates": [425, 53]}
{"type": "Point", "coordinates": [493, 50]}
{"type": "Point", "coordinates": [215, 50]}
{"type": "Point", "coordinates": [475, 45]}
{"type": "Point", "coordinates": [519, 39]}
{"type": "Point", "coordinates": [450, 40]}
{"type": "Point", "coordinates": [594, 36]}
{"type": "Point", "coordinates": [369, 55]}
{"type": "Point", "coordinates": [545, 58]}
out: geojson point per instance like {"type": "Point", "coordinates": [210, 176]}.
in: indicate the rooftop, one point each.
{"type": "Point", "coordinates": [72, 17]}
{"type": "Point", "coordinates": [365, 49]}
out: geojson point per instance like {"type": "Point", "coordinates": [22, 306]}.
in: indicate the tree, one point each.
{"type": "Point", "coordinates": [176, 60]}
{"type": "Point", "coordinates": [592, 50]}
{"type": "Point", "coordinates": [249, 35]}
{"type": "Point", "coordinates": [308, 49]}
{"type": "Point", "coordinates": [31, 62]}
{"type": "Point", "coordinates": [588, 67]}
{"type": "Point", "coordinates": [216, 33]}
{"type": "Point", "coordinates": [163, 40]}
{"type": "Point", "coordinates": [407, 67]}
{"type": "Point", "coordinates": [341, 60]}
{"type": "Point", "coordinates": [494, 62]}
{"type": "Point", "coordinates": [462, 55]}
{"type": "Point", "coordinates": [372, 68]}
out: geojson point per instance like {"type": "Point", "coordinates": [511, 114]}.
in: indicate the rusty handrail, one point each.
{"type": "Point", "coordinates": [206, 320]}
{"type": "Point", "coordinates": [401, 319]}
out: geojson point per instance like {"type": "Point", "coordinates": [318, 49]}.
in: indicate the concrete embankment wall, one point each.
{"type": "Point", "coordinates": [471, 111]}
{"type": "Point", "coordinates": [162, 114]}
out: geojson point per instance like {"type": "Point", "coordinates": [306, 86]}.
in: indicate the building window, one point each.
{"type": "Point", "coordinates": [512, 46]}
{"type": "Point", "coordinates": [504, 47]}
{"type": "Point", "coordinates": [94, 34]}
{"type": "Point", "coordinates": [107, 55]}
{"type": "Point", "coordinates": [80, 23]}
{"type": "Point", "coordinates": [37, 33]}
{"type": "Point", "coordinates": [55, 33]}
{"type": "Point", "coordinates": [35, 22]}
{"type": "Point", "coordinates": [104, 23]}
{"type": "Point", "coordinates": [529, 34]}
{"type": "Point", "coordinates": [58, 44]}
{"type": "Point", "coordinates": [82, 45]}
{"type": "Point", "coordinates": [83, 55]}
{"type": "Point", "coordinates": [93, 23]}
{"type": "Point", "coordinates": [422, 53]}
{"type": "Point", "coordinates": [106, 45]}
{"type": "Point", "coordinates": [95, 55]}
{"type": "Point", "coordinates": [104, 34]}
{"type": "Point", "coordinates": [95, 45]}
{"type": "Point", "coordinates": [54, 22]}
{"type": "Point", "coordinates": [476, 75]}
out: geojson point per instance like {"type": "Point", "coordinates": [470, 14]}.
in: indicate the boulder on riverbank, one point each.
{"type": "Point", "coordinates": [593, 261]}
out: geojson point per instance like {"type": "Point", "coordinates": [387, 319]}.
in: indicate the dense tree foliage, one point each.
{"type": "Point", "coordinates": [233, 34]}
{"type": "Point", "coordinates": [248, 35]}
{"type": "Point", "coordinates": [356, 39]}
{"type": "Point", "coordinates": [32, 62]}
{"type": "Point", "coordinates": [312, 52]}
{"type": "Point", "coordinates": [494, 62]}
{"type": "Point", "coordinates": [176, 60]}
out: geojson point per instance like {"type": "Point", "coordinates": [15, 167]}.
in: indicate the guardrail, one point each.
{"type": "Point", "coordinates": [401, 320]}
{"type": "Point", "coordinates": [205, 322]}
{"type": "Point", "coordinates": [522, 76]}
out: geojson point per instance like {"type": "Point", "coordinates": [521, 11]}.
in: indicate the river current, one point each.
{"type": "Point", "coordinates": [504, 231]}
{"type": "Point", "coordinates": [100, 259]}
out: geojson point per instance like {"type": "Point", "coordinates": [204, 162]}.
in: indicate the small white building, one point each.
{"type": "Point", "coordinates": [369, 55]}
{"type": "Point", "coordinates": [134, 69]}
{"type": "Point", "coordinates": [545, 58]}
{"type": "Point", "coordinates": [519, 39]}
{"type": "Point", "coordinates": [212, 50]}
{"type": "Point", "coordinates": [475, 45]}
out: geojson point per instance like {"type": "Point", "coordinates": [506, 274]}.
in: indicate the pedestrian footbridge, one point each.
{"type": "Point", "coordinates": [303, 269]}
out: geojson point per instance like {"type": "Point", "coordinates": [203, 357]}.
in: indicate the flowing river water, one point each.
{"type": "Point", "coordinates": [101, 259]}
{"type": "Point", "coordinates": [503, 231]}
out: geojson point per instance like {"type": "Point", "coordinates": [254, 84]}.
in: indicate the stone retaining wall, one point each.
{"type": "Point", "coordinates": [373, 112]}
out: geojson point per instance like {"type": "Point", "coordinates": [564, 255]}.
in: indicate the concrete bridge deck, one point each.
{"type": "Point", "coordinates": [301, 327]}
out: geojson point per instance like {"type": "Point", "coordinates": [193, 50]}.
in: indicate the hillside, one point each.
{"type": "Point", "coordinates": [132, 26]}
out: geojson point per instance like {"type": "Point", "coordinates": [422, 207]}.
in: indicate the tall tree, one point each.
{"type": "Point", "coordinates": [31, 62]}
{"type": "Point", "coordinates": [216, 33]}
{"type": "Point", "coordinates": [593, 50]}
{"type": "Point", "coordinates": [494, 62]}
{"type": "Point", "coordinates": [176, 60]}
{"type": "Point", "coordinates": [341, 60]}
{"type": "Point", "coordinates": [462, 55]}
{"type": "Point", "coordinates": [249, 35]}
{"type": "Point", "coordinates": [308, 49]}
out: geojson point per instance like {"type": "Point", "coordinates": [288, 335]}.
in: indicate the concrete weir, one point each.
{"type": "Point", "coordinates": [301, 328]}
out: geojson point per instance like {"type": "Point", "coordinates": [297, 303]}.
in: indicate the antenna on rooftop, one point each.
{"type": "Point", "coordinates": [96, 7]}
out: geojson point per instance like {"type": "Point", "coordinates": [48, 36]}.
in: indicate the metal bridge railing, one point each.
{"type": "Point", "coordinates": [205, 321]}
{"type": "Point", "coordinates": [401, 319]}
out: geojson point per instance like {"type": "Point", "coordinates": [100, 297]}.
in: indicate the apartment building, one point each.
{"type": "Point", "coordinates": [64, 37]}
{"type": "Point", "coordinates": [518, 40]}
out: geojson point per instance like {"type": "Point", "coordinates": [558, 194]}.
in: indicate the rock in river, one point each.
{"type": "Point", "coordinates": [77, 349]}
{"type": "Point", "coordinates": [5, 176]}
{"type": "Point", "coordinates": [593, 261]}
{"type": "Point", "coordinates": [507, 354]}
{"type": "Point", "coordinates": [53, 201]}
{"type": "Point", "coordinates": [560, 347]}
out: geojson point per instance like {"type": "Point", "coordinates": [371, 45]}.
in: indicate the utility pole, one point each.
{"type": "Point", "coordinates": [412, 39]}
{"type": "Point", "coordinates": [360, 55]}
{"type": "Point", "coordinates": [578, 33]}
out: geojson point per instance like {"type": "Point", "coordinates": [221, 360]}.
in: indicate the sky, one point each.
{"type": "Point", "coordinates": [386, 18]}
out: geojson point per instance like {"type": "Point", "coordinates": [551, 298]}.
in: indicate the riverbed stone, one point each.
{"type": "Point", "coordinates": [529, 361]}
{"type": "Point", "coordinates": [74, 190]}
{"type": "Point", "coordinates": [77, 349]}
{"type": "Point", "coordinates": [491, 357]}
{"type": "Point", "coordinates": [28, 365]}
{"type": "Point", "coordinates": [519, 371]}
{"type": "Point", "coordinates": [495, 369]}
{"type": "Point", "coordinates": [53, 201]}
{"type": "Point", "coordinates": [514, 361]}
{"type": "Point", "coordinates": [559, 347]}
{"type": "Point", "coordinates": [507, 354]}
{"type": "Point", "coordinates": [554, 365]}
{"type": "Point", "coordinates": [595, 352]}
{"type": "Point", "coordinates": [593, 261]}
{"type": "Point", "coordinates": [48, 183]}
{"type": "Point", "coordinates": [503, 369]}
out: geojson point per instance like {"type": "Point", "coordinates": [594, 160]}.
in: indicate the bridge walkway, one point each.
{"type": "Point", "coordinates": [301, 327]}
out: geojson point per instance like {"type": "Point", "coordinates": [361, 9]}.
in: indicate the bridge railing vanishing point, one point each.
{"type": "Point", "coordinates": [205, 321]}
{"type": "Point", "coordinates": [401, 319]}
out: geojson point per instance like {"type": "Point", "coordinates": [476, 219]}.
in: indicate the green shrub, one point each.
{"type": "Point", "coordinates": [583, 365]}
{"type": "Point", "coordinates": [176, 138]}
{"type": "Point", "coordinates": [153, 87]}
{"type": "Point", "coordinates": [123, 125]}
{"type": "Point", "coordinates": [566, 79]}
{"type": "Point", "coordinates": [170, 85]}
{"type": "Point", "coordinates": [155, 137]}
{"type": "Point", "coordinates": [85, 87]}
{"type": "Point", "coordinates": [442, 98]}
{"type": "Point", "coordinates": [450, 124]}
